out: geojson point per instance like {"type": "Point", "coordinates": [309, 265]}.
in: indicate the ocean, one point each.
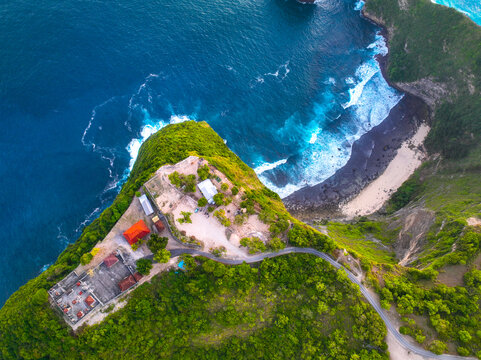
{"type": "Point", "coordinates": [288, 86]}
{"type": "Point", "coordinates": [470, 8]}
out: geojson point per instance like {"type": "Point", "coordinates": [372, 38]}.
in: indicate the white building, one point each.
{"type": "Point", "coordinates": [146, 205]}
{"type": "Point", "coordinates": [208, 190]}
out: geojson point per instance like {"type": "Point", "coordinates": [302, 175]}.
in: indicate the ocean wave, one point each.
{"type": "Point", "coordinates": [366, 71]}
{"type": "Point", "coordinates": [322, 151]}
{"type": "Point", "coordinates": [268, 166]}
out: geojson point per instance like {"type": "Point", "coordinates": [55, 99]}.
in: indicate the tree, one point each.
{"type": "Point", "coordinates": [202, 202]}
{"type": "Point", "coordinates": [276, 244]}
{"type": "Point", "coordinates": [219, 199]}
{"type": "Point", "coordinates": [438, 347]}
{"type": "Point", "coordinates": [235, 190]}
{"type": "Point", "coordinates": [162, 256]}
{"type": "Point", "coordinates": [157, 242]}
{"type": "Point", "coordinates": [144, 266]}
{"type": "Point", "coordinates": [203, 172]}
{"type": "Point", "coordinates": [186, 217]}
{"type": "Point", "coordinates": [40, 297]}
{"type": "Point", "coordinates": [86, 258]}
{"type": "Point", "coordinates": [224, 187]}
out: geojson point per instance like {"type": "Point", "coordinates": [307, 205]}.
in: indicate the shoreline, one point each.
{"type": "Point", "coordinates": [371, 155]}
{"type": "Point", "coordinates": [408, 158]}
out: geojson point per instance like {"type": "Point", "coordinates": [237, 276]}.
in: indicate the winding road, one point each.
{"type": "Point", "coordinates": [390, 326]}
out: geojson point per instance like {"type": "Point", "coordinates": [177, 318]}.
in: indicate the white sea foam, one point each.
{"type": "Point", "coordinates": [282, 71]}
{"type": "Point", "coordinates": [177, 119]}
{"type": "Point", "coordinates": [268, 166]}
{"type": "Point", "coordinates": [359, 5]}
{"type": "Point", "coordinates": [364, 73]}
{"type": "Point", "coordinates": [379, 45]}
{"type": "Point", "coordinates": [45, 267]}
{"type": "Point", "coordinates": [324, 152]}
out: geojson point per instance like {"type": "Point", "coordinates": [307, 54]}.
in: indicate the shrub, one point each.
{"type": "Point", "coordinates": [144, 266]}
{"type": "Point", "coordinates": [254, 244]}
{"type": "Point", "coordinates": [235, 190]}
{"type": "Point", "coordinates": [220, 215]}
{"type": "Point", "coordinates": [162, 256]}
{"type": "Point", "coordinates": [138, 194]}
{"type": "Point", "coordinates": [275, 244]}
{"type": "Point", "coordinates": [210, 209]}
{"type": "Point", "coordinates": [240, 219]}
{"type": "Point", "coordinates": [187, 182]}
{"type": "Point", "coordinates": [438, 347]}
{"type": "Point", "coordinates": [218, 251]}
{"type": "Point", "coordinates": [203, 172]}
{"type": "Point", "coordinates": [202, 202]}
{"type": "Point", "coordinates": [224, 187]}
{"type": "Point", "coordinates": [185, 217]}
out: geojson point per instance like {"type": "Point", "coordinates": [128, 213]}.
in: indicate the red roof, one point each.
{"type": "Point", "coordinates": [159, 225]}
{"type": "Point", "coordinates": [136, 232]}
{"type": "Point", "coordinates": [127, 283]}
{"type": "Point", "coordinates": [110, 260]}
{"type": "Point", "coordinates": [137, 276]}
{"type": "Point", "coordinates": [89, 300]}
{"type": "Point", "coordinates": [80, 314]}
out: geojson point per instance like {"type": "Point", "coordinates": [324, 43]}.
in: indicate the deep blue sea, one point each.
{"type": "Point", "coordinates": [82, 83]}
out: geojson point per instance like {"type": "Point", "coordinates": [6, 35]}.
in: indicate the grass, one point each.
{"type": "Point", "coordinates": [357, 238]}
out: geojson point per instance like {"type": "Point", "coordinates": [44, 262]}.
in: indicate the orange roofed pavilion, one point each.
{"type": "Point", "coordinates": [136, 232]}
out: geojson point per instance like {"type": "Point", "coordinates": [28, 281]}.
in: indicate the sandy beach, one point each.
{"type": "Point", "coordinates": [408, 158]}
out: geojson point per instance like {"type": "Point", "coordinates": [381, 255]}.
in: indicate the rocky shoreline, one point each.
{"type": "Point", "coordinates": [371, 155]}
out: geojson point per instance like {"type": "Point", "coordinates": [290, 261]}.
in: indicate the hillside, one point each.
{"type": "Point", "coordinates": [424, 244]}
{"type": "Point", "coordinates": [294, 306]}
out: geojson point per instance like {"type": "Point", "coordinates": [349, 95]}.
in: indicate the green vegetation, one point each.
{"type": "Point", "coordinates": [202, 202]}
{"type": "Point", "coordinates": [204, 172]}
{"type": "Point", "coordinates": [138, 194]}
{"type": "Point", "coordinates": [438, 43]}
{"type": "Point", "coordinates": [224, 187]}
{"type": "Point", "coordinates": [157, 243]}
{"type": "Point", "coordinates": [215, 311]}
{"type": "Point", "coordinates": [185, 218]}
{"type": "Point", "coordinates": [303, 236]}
{"type": "Point", "coordinates": [162, 256]}
{"type": "Point", "coordinates": [405, 194]}
{"type": "Point", "coordinates": [275, 244]}
{"type": "Point", "coordinates": [235, 190]}
{"type": "Point", "coordinates": [254, 244]}
{"type": "Point", "coordinates": [86, 258]}
{"type": "Point", "coordinates": [219, 199]}
{"type": "Point", "coordinates": [218, 251]}
{"type": "Point", "coordinates": [364, 239]}
{"type": "Point", "coordinates": [144, 266]}
{"type": "Point", "coordinates": [220, 215]}
{"type": "Point", "coordinates": [185, 182]}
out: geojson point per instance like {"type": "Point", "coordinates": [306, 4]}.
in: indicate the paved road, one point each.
{"type": "Point", "coordinates": [257, 258]}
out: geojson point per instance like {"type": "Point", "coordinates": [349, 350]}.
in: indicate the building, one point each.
{"type": "Point", "coordinates": [208, 190]}
{"type": "Point", "coordinates": [136, 232]}
{"type": "Point", "coordinates": [159, 225]}
{"type": "Point", "coordinates": [146, 205]}
{"type": "Point", "coordinates": [111, 260]}
{"type": "Point", "coordinates": [127, 283]}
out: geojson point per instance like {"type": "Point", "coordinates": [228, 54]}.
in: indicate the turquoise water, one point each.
{"type": "Point", "coordinates": [471, 8]}
{"type": "Point", "coordinates": [290, 87]}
